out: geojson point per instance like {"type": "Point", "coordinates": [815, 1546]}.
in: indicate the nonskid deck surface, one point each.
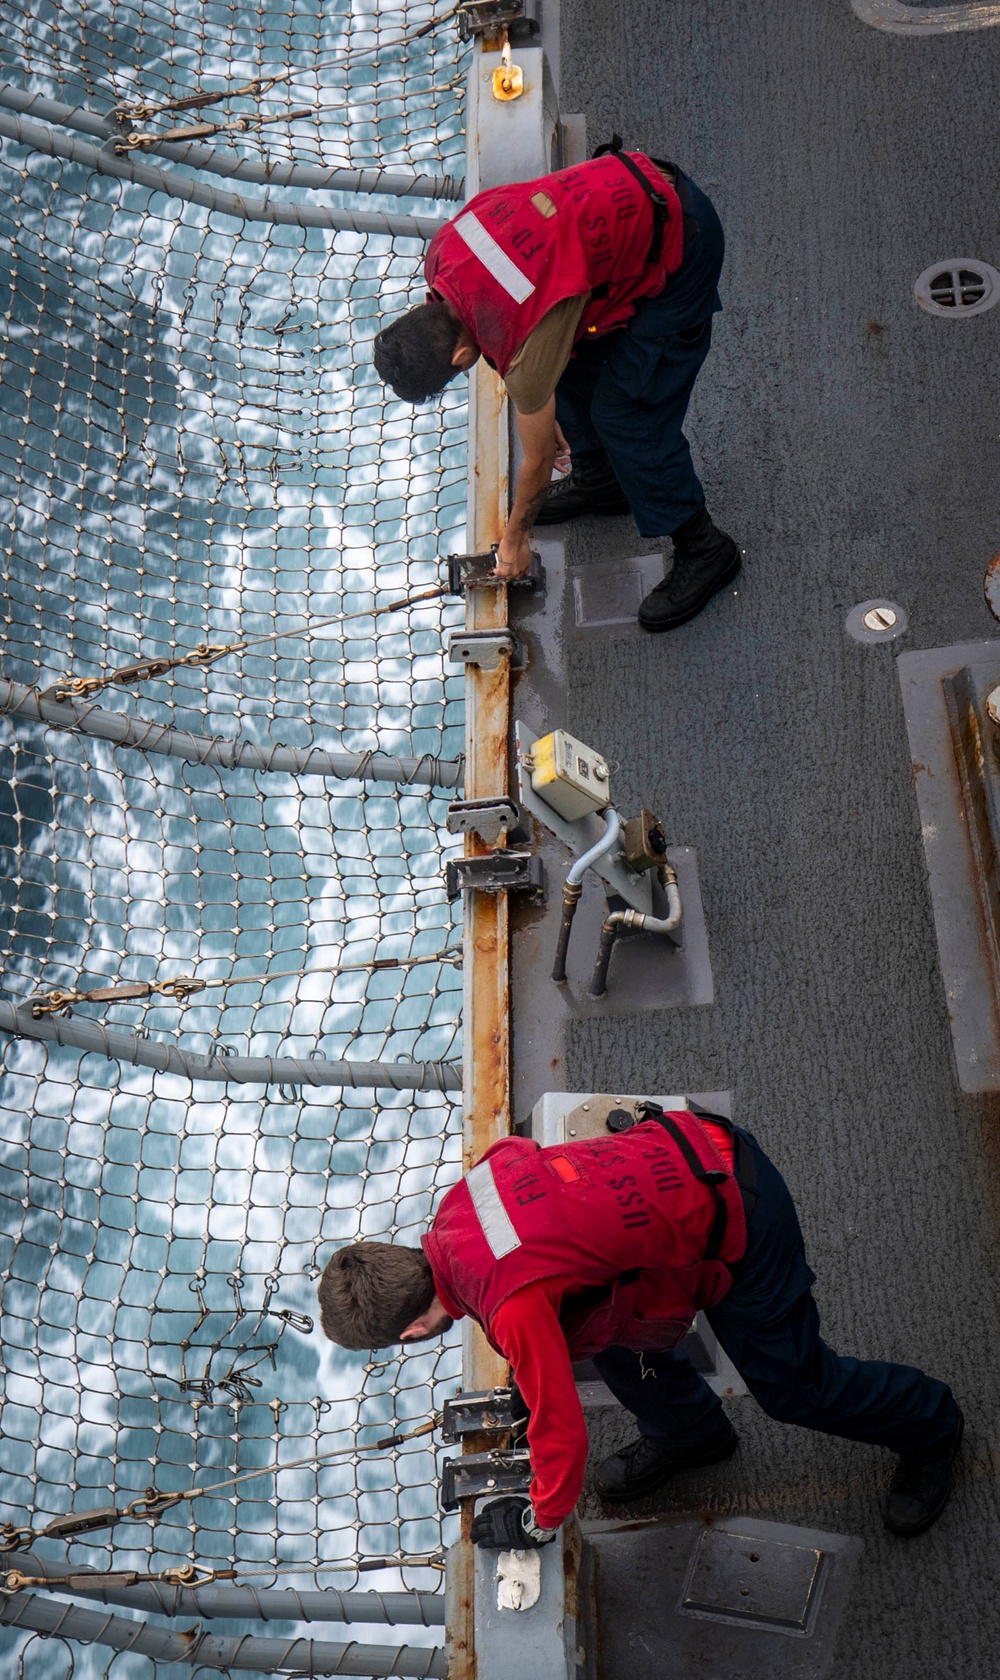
{"type": "Point", "coordinates": [849, 442]}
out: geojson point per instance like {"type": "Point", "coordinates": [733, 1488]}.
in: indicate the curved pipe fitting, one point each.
{"type": "Point", "coordinates": [633, 921]}
{"type": "Point", "coordinates": [587, 859]}
{"type": "Point", "coordinates": [574, 887]}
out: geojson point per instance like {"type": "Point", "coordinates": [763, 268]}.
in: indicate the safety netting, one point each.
{"type": "Point", "coordinates": [195, 453]}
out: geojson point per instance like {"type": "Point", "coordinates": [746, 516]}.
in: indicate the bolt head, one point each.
{"type": "Point", "coordinates": [879, 618]}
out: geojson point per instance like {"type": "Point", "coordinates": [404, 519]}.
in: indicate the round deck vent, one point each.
{"type": "Point", "coordinates": [958, 286]}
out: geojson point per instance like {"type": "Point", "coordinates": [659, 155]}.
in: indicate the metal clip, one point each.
{"type": "Point", "coordinates": [490, 1411]}
{"type": "Point", "coordinates": [194, 1575]}
{"type": "Point", "coordinates": [486, 649]}
{"type": "Point", "coordinates": [182, 988]}
{"type": "Point", "coordinates": [54, 1003]}
{"type": "Point", "coordinates": [13, 1580]}
{"type": "Point", "coordinates": [152, 1504]}
{"type": "Point", "coordinates": [489, 818]}
{"type": "Point", "coordinates": [482, 1473]}
{"type": "Point", "coordinates": [470, 571]}
{"type": "Point", "coordinates": [501, 871]}
{"type": "Point", "coordinates": [493, 17]}
{"type": "Point", "coordinates": [295, 1320]}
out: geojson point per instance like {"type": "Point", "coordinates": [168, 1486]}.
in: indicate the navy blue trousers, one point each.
{"type": "Point", "coordinates": [625, 395]}
{"type": "Point", "coordinates": [769, 1326]}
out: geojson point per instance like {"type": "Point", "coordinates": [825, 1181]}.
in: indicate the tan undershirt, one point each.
{"type": "Point", "coordinates": [543, 357]}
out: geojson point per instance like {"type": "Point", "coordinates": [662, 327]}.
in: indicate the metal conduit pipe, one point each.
{"type": "Point", "coordinates": [119, 1044]}
{"type": "Point", "coordinates": [633, 921]}
{"type": "Point", "coordinates": [414, 1609]}
{"type": "Point", "coordinates": [301, 1657]}
{"type": "Point", "coordinates": [268, 1604]}
{"type": "Point", "coordinates": [399, 183]}
{"type": "Point", "coordinates": [127, 731]}
{"type": "Point", "coordinates": [574, 886]}
{"type": "Point", "coordinates": [38, 137]}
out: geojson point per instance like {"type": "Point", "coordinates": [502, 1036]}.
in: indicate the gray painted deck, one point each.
{"type": "Point", "coordinates": [851, 443]}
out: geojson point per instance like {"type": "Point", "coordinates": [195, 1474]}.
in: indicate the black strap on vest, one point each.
{"type": "Point", "coordinates": [705, 1175]}
{"type": "Point", "coordinates": [744, 1164]}
{"type": "Point", "coordinates": [659, 201]}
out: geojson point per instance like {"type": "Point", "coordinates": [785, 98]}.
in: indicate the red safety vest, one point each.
{"type": "Point", "coordinates": [646, 1223]}
{"type": "Point", "coordinates": [518, 250]}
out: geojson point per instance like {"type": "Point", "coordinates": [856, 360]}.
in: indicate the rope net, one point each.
{"type": "Point", "coordinates": [195, 448]}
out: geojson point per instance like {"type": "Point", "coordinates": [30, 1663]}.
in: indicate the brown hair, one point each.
{"type": "Point", "coordinates": [413, 354]}
{"type": "Point", "coordinates": [370, 1292]}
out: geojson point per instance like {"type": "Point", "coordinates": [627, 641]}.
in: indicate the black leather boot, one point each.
{"type": "Point", "coordinates": [590, 486]}
{"type": "Point", "coordinates": [919, 1490]}
{"type": "Point", "coordinates": [643, 1465]}
{"type": "Point", "coordinates": [705, 559]}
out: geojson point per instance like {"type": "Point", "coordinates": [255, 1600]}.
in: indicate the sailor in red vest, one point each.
{"type": "Point", "coordinates": [605, 1249]}
{"type": "Point", "coordinates": [591, 291]}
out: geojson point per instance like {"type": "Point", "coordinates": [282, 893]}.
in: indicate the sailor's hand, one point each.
{"type": "Point", "coordinates": [513, 554]}
{"type": "Point", "coordinates": [506, 1525]}
{"type": "Point", "coordinates": [563, 455]}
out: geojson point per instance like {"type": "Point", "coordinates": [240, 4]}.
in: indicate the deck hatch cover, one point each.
{"type": "Point", "coordinates": [766, 1582]}
{"type": "Point", "coordinates": [957, 286]}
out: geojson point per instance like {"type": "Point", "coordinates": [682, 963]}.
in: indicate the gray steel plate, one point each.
{"type": "Point", "coordinates": [734, 1600]}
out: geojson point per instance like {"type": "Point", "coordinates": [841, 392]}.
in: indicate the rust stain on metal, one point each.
{"type": "Point", "coordinates": [486, 999]}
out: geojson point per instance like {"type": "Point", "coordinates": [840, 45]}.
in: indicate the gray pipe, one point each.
{"type": "Point", "coordinates": [600, 848]}
{"type": "Point", "coordinates": [273, 1605]}
{"type": "Point", "coordinates": [38, 137]}
{"type": "Point", "coordinates": [118, 1044]}
{"type": "Point", "coordinates": [400, 183]}
{"type": "Point", "coordinates": [127, 731]}
{"type": "Point", "coordinates": [268, 1604]}
{"type": "Point", "coordinates": [46, 1615]}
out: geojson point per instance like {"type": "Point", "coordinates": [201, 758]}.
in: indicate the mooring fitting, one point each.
{"type": "Point", "coordinates": [633, 921]}
{"type": "Point", "coordinates": [574, 887]}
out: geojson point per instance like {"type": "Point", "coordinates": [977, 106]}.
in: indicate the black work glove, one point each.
{"type": "Point", "coordinates": [508, 1524]}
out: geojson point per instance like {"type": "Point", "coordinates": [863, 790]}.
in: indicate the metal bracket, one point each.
{"type": "Point", "coordinates": [644, 843]}
{"type": "Point", "coordinates": [492, 17]}
{"type": "Point", "coordinates": [489, 818]}
{"type": "Point", "coordinates": [477, 1474]}
{"type": "Point", "coordinates": [485, 649]}
{"type": "Point", "coordinates": [470, 571]}
{"type": "Point", "coordinates": [502, 871]}
{"type": "Point", "coordinates": [485, 1411]}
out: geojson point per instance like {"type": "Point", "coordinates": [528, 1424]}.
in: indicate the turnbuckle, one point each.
{"type": "Point", "coordinates": [60, 1001]}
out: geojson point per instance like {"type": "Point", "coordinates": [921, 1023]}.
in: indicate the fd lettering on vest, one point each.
{"type": "Point", "coordinates": [626, 1218]}
{"type": "Point", "coordinates": [518, 250]}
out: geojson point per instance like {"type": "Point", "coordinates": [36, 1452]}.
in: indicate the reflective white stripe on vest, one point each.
{"type": "Point", "coordinates": [493, 1216]}
{"type": "Point", "coordinates": [483, 245]}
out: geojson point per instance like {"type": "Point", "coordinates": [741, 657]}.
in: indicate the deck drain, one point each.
{"type": "Point", "coordinates": [958, 286]}
{"type": "Point", "coordinates": [876, 621]}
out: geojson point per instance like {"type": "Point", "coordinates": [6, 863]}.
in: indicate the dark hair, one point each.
{"type": "Point", "coordinates": [413, 355]}
{"type": "Point", "coordinates": [370, 1292]}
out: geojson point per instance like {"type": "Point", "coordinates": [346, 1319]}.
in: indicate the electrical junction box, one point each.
{"type": "Point", "coordinates": [570, 777]}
